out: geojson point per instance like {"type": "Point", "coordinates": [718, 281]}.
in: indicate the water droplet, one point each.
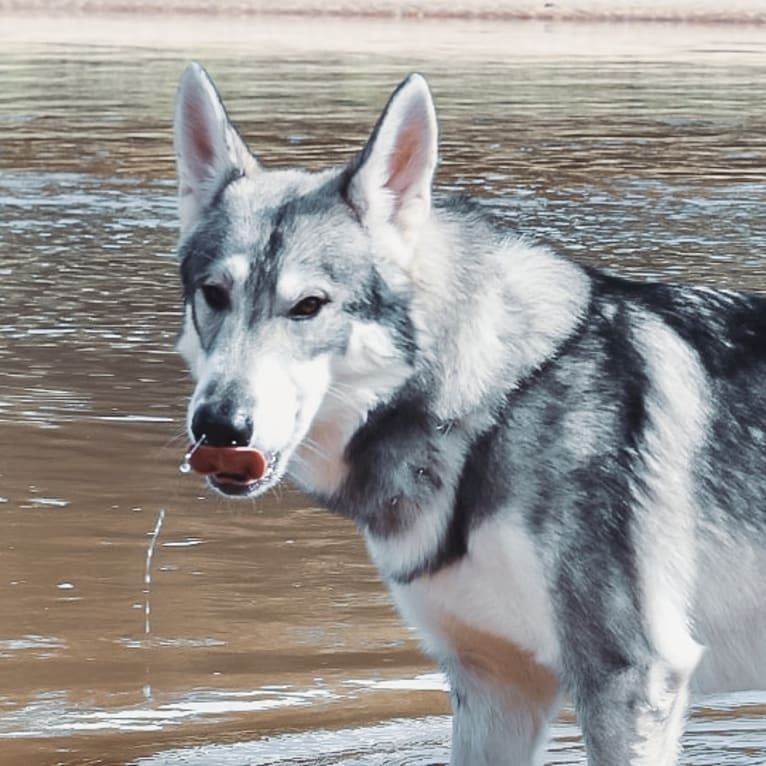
{"type": "Point", "coordinates": [185, 467]}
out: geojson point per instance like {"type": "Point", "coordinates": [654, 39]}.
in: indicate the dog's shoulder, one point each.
{"type": "Point", "coordinates": [726, 328]}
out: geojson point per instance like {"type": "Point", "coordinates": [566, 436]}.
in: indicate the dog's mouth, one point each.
{"type": "Point", "coordinates": [233, 471]}
{"type": "Point", "coordinates": [242, 484]}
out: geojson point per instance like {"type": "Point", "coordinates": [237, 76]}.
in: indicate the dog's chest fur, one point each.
{"type": "Point", "coordinates": [471, 581]}
{"type": "Point", "coordinates": [489, 607]}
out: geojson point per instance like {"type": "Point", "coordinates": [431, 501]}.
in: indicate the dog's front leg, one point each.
{"type": "Point", "coordinates": [495, 723]}
{"type": "Point", "coordinates": [635, 716]}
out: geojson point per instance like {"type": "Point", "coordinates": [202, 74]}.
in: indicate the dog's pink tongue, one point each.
{"type": "Point", "coordinates": [241, 464]}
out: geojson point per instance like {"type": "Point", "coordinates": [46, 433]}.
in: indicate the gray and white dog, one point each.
{"type": "Point", "coordinates": [560, 474]}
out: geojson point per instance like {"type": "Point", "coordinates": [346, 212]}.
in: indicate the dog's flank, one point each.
{"type": "Point", "coordinates": [559, 473]}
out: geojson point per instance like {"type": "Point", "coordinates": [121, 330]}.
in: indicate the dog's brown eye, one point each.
{"type": "Point", "coordinates": [307, 307]}
{"type": "Point", "coordinates": [215, 296]}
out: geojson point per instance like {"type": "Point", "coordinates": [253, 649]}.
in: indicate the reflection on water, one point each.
{"type": "Point", "coordinates": [268, 626]}
{"type": "Point", "coordinates": [51, 714]}
{"type": "Point", "coordinates": [730, 730]}
{"type": "Point", "coordinates": [425, 742]}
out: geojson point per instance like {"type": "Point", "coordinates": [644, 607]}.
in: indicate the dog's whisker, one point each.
{"type": "Point", "coordinates": [314, 448]}
{"type": "Point", "coordinates": [173, 440]}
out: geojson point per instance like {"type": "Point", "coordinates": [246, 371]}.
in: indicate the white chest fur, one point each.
{"type": "Point", "coordinates": [497, 591]}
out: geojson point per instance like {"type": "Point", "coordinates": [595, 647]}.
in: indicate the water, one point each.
{"type": "Point", "coordinates": [271, 638]}
{"type": "Point", "coordinates": [148, 576]}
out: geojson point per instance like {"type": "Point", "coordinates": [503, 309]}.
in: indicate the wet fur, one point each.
{"type": "Point", "coordinates": [559, 473]}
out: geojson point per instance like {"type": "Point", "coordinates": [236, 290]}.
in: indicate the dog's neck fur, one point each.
{"type": "Point", "coordinates": [517, 332]}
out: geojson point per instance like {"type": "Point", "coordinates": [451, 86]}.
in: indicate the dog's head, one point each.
{"type": "Point", "coordinates": [297, 284]}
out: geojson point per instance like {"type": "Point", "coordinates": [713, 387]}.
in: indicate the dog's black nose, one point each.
{"type": "Point", "coordinates": [222, 426]}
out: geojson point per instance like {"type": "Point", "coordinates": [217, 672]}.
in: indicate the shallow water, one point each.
{"type": "Point", "coordinates": [271, 639]}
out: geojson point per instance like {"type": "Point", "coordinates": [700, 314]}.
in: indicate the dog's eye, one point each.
{"type": "Point", "coordinates": [307, 307]}
{"type": "Point", "coordinates": [215, 296]}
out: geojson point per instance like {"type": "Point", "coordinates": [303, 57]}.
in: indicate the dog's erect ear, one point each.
{"type": "Point", "coordinates": [390, 181]}
{"type": "Point", "coordinates": [209, 151]}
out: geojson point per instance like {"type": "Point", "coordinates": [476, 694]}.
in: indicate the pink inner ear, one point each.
{"type": "Point", "coordinates": [198, 133]}
{"type": "Point", "coordinates": [407, 162]}
{"type": "Point", "coordinates": [403, 160]}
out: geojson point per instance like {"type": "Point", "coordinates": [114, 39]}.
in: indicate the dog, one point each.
{"type": "Point", "coordinates": [560, 473]}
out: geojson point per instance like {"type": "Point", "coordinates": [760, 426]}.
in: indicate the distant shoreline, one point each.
{"type": "Point", "coordinates": [687, 11]}
{"type": "Point", "coordinates": [588, 30]}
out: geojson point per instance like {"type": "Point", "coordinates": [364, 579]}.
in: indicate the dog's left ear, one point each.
{"type": "Point", "coordinates": [209, 150]}
{"type": "Point", "coordinates": [390, 181]}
